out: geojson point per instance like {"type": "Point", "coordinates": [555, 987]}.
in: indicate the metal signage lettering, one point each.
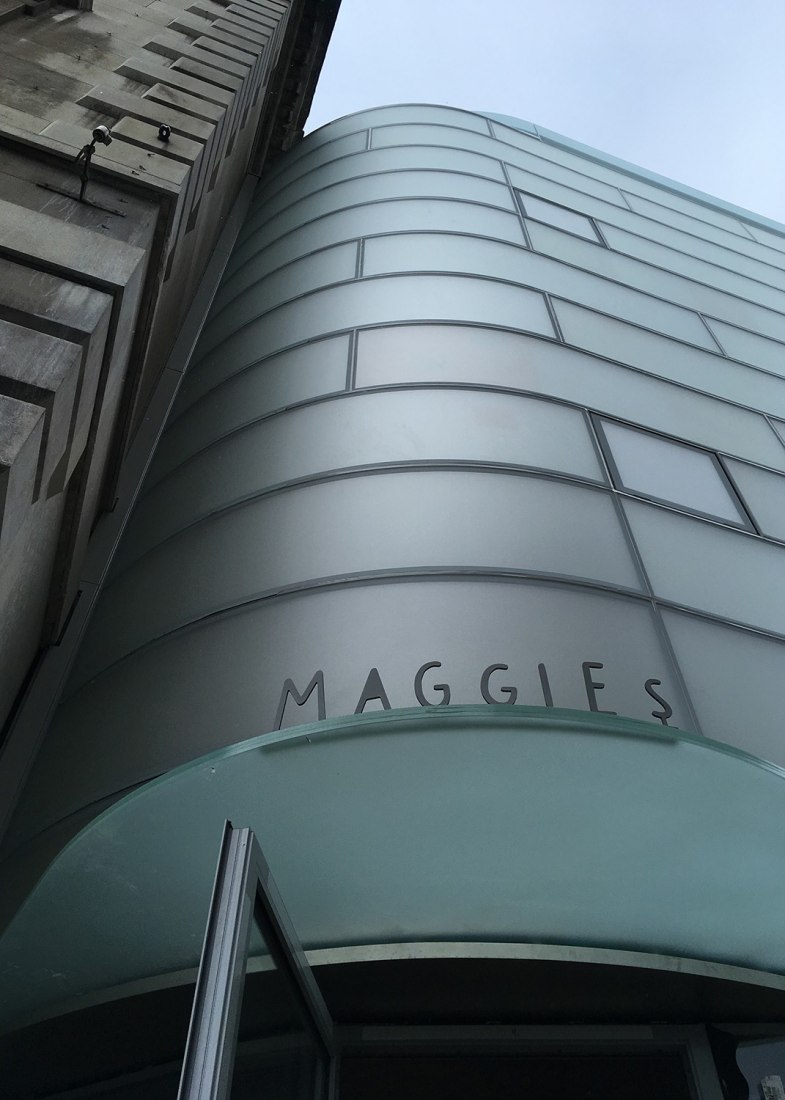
{"type": "Point", "coordinates": [491, 689]}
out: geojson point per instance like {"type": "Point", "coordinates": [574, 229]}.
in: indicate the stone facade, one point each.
{"type": "Point", "coordinates": [94, 290]}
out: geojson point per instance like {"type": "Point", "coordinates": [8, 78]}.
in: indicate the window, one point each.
{"type": "Point", "coordinates": [763, 493]}
{"type": "Point", "coordinates": [673, 473]}
{"type": "Point", "coordinates": [559, 216]}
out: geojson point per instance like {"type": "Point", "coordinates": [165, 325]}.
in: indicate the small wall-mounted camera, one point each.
{"type": "Point", "coordinates": [102, 136]}
{"type": "Point", "coordinates": [164, 132]}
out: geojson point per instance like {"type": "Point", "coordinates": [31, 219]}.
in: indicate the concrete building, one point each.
{"type": "Point", "coordinates": [457, 576]}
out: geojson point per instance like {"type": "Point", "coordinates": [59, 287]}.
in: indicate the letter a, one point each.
{"type": "Point", "coordinates": [374, 689]}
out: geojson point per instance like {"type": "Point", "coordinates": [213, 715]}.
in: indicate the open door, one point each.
{"type": "Point", "coordinates": [255, 985]}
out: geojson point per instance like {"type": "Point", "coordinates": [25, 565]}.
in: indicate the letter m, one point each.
{"type": "Point", "coordinates": [289, 689]}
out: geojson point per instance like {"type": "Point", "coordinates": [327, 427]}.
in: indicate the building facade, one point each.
{"type": "Point", "coordinates": [457, 575]}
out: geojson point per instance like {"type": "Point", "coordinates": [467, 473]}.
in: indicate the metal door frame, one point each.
{"type": "Point", "coordinates": [244, 889]}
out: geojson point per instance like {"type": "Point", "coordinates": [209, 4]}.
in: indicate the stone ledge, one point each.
{"type": "Point", "coordinates": [21, 432]}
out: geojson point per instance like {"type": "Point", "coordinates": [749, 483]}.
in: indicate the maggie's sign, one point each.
{"type": "Point", "coordinates": [491, 684]}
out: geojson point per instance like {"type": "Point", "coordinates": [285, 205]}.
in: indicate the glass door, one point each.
{"type": "Point", "coordinates": [259, 1026]}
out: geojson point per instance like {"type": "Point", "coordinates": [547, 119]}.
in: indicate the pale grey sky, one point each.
{"type": "Point", "coordinates": [692, 89]}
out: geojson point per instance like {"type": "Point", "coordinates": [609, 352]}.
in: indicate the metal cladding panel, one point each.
{"type": "Point", "coordinates": [391, 477]}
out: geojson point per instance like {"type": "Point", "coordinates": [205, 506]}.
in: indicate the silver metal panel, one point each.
{"type": "Point", "coordinates": [433, 354]}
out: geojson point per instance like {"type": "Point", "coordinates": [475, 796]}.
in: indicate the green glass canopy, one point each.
{"type": "Point", "coordinates": [493, 824]}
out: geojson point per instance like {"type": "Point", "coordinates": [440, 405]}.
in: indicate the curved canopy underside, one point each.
{"type": "Point", "coordinates": [493, 824]}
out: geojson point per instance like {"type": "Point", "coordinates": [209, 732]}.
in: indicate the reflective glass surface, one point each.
{"type": "Point", "coordinates": [385, 136]}
{"type": "Point", "coordinates": [749, 347]}
{"type": "Point", "coordinates": [417, 113]}
{"type": "Point", "coordinates": [618, 285]}
{"type": "Point", "coordinates": [364, 429]}
{"type": "Point", "coordinates": [380, 300]}
{"type": "Point", "coordinates": [693, 268]}
{"type": "Point", "coordinates": [765, 236]}
{"type": "Point", "coordinates": [649, 351]}
{"type": "Point", "coordinates": [735, 681]}
{"type": "Point", "coordinates": [276, 1054]}
{"type": "Point", "coordinates": [446, 252]}
{"type": "Point", "coordinates": [369, 854]}
{"type": "Point", "coordinates": [381, 160]}
{"type": "Point", "coordinates": [763, 493]}
{"type": "Point", "coordinates": [696, 564]}
{"type": "Point", "coordinates": [170, 700]}
{"type": "Point", "coordinates": [669, 471]}
{"type": "Point", "coordinates": [660, 283]}
{"type": "Point", "coordinates": [454, 353]}
{"type": "Point", "coordinates": [458, 520]}
{"type": "Point", "coordinates": [558, 216]}
{"type": "Point", "coordinates": [537, 174]}
{"type": "Point", "coordinates": [305, 157]}
{"type": "Point", "coordinates": [730, 234]}
{"type": "Point", "coordinates": [308, 371]}
{"type": "Point", "coordinates": [391, 185]}
{"type": "Point", "coordinates": [397, 215]}
{"type": "Point", "coordinates": [257, 287]}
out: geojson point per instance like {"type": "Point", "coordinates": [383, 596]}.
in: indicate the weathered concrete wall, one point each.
{"type": "Point", "coordinates": [93, 294]}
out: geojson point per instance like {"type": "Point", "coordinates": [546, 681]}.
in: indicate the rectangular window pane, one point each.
{"type": "Point", "coordinates": [376, 301]}
{"type": "Point", "coordinates": [732, 237]}
{"type": "Point", "coordinates": [749, 347]}
{"type": "Point", "coordinates": [773, 240]}
{"type": "Point", "coordinates": [532, 173]}
{"type": "Point", "coordinates": [558, 216]}
{"type": "Point", "coordinates": [640, 300]}
{"type": "Point", "coordinates": [696, 564]}
{"type": "Point", "coordinates": [669, 471]}
{"type": "Point", "coordinates": [276, 1054]}
{"type": "Point", "coordinates": [381, 160]}
{"type": "Point", "coordinates": [655, 281]}
{"type": "Point", "coordinates": [764, 494]}
{"type": "Point", "coordinates": [281, 380]}
{"type": "Point", "coordinates": [699, 270]}
{"type": "Point", "coordinates": [729, 675]}
{"type": "Point", "coordinates": [446, 252]}
{"type": "Point", "coordinates": [456, 353]}
{"type": "Point", "coordinates": [386, 185]}
{"type": "Point", "coordinates": [416, 113]}
{"type": "Point", "coordinates": [461, 519]}
{"type": "Point", "coordinates": [384, 137]}
{"type": "Point", "coordinates": [238, 299]}
{"type": "Point", "coordinates": [304, 158]}
{"type": "Point", "coordinates": [651, 352]}
{"type": "Point", "coordinates": [282, 243]}
{"type": "Point", "coordinates": [399, 426]}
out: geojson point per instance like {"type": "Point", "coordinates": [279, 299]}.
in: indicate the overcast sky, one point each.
{"type": "Point", "coordinates": [692, 89]}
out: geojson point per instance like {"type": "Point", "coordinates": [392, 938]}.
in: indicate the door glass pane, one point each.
{"type": "Point", "coordinates": [277, 1056]}
{"type": "Point", "coordinates": [668, 471]}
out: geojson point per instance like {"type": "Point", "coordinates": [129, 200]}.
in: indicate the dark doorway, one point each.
{"type": "Point", "coordinates": [645, 1076]}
